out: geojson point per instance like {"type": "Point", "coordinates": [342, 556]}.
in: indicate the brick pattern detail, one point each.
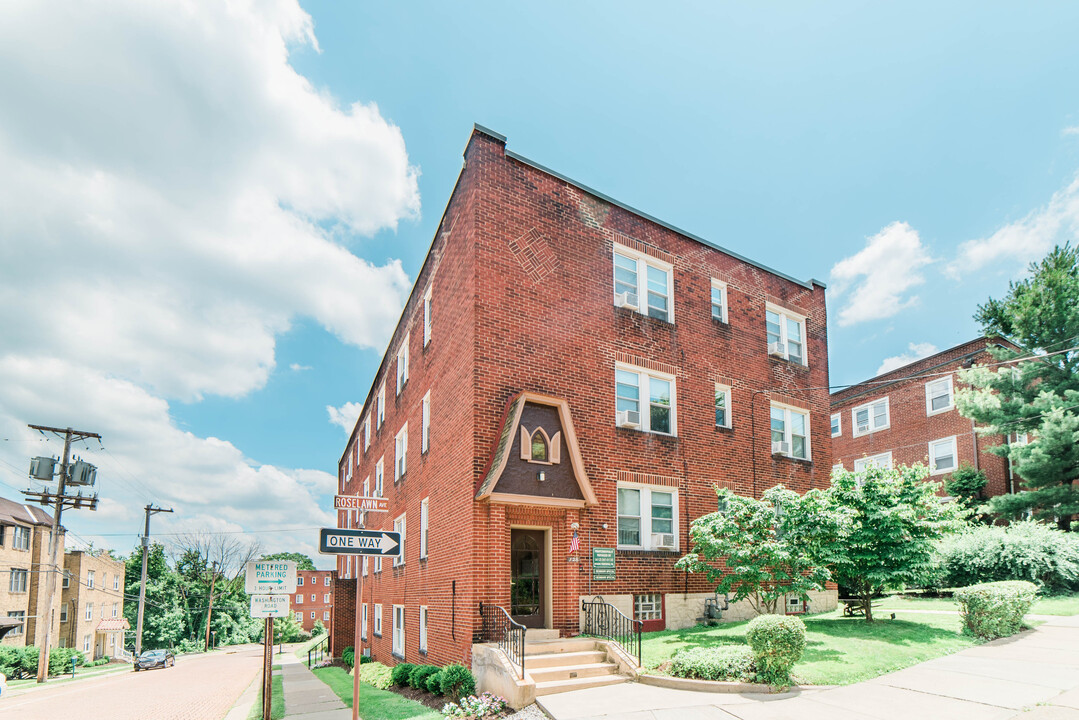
{"type": "Point", "coordinates": [646, 363]}
{"type": "Point", "coordinates": [534, 253]}
{"type": "Point", "coordinates": [646, 479]}
{"type": "Point", "coordinates": [639, 246]}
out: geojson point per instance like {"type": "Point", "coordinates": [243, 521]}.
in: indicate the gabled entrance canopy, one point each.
{"type": "Point", "coordinates": [536, 459]}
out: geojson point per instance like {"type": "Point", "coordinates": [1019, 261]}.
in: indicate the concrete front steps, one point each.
{"type": "Point", "coordinates": [561, 665]}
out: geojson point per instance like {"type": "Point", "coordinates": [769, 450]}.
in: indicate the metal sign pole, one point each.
{"type": "Point", "coordinates": [357, 644]}
{"type": "Point", "coordinates": [267, 669]}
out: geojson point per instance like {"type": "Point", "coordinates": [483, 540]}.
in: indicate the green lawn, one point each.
{"type": "Point", "coordinates": [839, 650]}
{"type": "Point", "coordinates": [375, 704]}
{"type": "Point", "coordinates": [80, 672]}
{"type": "Point", "coordinates": [301, 650]}
{"type": "Point", "coordinates": [277, 702]}
{"type": "Point", "coordinates": [1046, 605]}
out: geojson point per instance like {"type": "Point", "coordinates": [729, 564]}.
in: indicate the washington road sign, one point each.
{"type": "Point", "coordinates": [337, 541]}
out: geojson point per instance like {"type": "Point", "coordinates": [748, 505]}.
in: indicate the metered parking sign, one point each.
{"type": "Point", "coordinates": [268, 606]}
{"type": "Point", "coordinates": [269, 577]}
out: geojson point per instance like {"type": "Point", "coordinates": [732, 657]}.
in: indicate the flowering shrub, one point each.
{"type": "Point", "coordinates": [475, 706]}
{"type": "Point", "coordinates": [726, 662]}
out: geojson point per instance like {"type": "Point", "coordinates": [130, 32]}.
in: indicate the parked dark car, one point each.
{"type": "Point", "coordinates": [155, 658]}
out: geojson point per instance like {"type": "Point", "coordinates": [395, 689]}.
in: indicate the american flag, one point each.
{"type": "Point", "coordinates": [574, 543]}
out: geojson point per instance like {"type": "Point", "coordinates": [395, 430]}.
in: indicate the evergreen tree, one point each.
{"type": "Point", "coordinates": [1038, 398]}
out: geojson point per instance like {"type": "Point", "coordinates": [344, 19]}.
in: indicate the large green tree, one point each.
{"type": "Point", "coordinates": [163, 617]}
{"type": "Point", "coordinates": [1038, 398]}
{"type": "Point", "coordinates": [896, 517]}
{"type": "Point", "coordinates": [303, 562]}
{"type": "Point", "coordinates": [762, 550]}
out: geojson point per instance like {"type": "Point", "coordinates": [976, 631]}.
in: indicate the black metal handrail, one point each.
{"type": "Point", "coordinates": [604, 620]}
{"type": "Point", "coordinates": [496, 626]}
{"type": "Point", "coordinates": [319, 651]}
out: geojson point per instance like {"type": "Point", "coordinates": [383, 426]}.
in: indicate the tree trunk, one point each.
{"type": "Point", "coordinates": [867, 600]}
{"type": "Point", "coordinates": [1064, 522]}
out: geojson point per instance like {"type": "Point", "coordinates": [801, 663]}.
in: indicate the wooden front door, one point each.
{"type": "Point", "coordinates": [527, 573]}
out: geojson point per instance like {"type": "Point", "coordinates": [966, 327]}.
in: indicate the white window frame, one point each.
{"type": "Point", "coordinates": [953, 445]}
{"type": "Point", "coordinates": [66, 582]}
{"type": "Point", "coordinates": [363, 621]}
{"type": "Point", "coordinates": [400, 453]}
{"type": "Point", "coordinates": [325, 616]}
{"type": "Point", "coordinates": [63, 613]}
{"type": "Point", "coordinates": [883, 460]}
{"type": "Point", "coordinates": [722, 288]}
{"type": "Point", "coordinates": [644, 377]}
{"type": "Point", "coordinates": [427, 317]}
{"type": "Point", "coordinates": [325, 598]}
{"type": "Point", "coordinates": [115, 582]}
{"type": "Point", "coordinates": [397, 643]}
{"type": "Point", "coordinates": [837, 424]}
{"type": "Point", "coordinates": [366, 433]}
{"type": "Point", "coordinates": [19, 587]}
{"type": "Point", "coordinates": [326, 581]}
{"type": "Point", "coordinates": [365, 566]}
{"type": "Point", "coordinates": [380, 475]}
{"type": "Point", "coordinates": [299, 581]}
{"type": "Point", "coordinates": [786, 316]}
{"type": "Point", "coordinates": [424, 519]}
{"type": "Point", "coordinates": [86, 643]}
{"type": "Point", "coordinates": [380, 415]}
{"type": "Point", "coordinates": [314, 597]}
{"type": "Point", "coordinates": [423, 629]}
{"type": "Point", "coordinates": [89, 611]}
{"type": "Point", "coordinates": [299, 598]}
{"type": "Point", "coordinates": [20, 538]}
{"type": "Point", "coordinates": [642, 262]}
{"type": "Point", "coordinates": [312, 614]}
{"type": "Point", "coordinates": [645, 517]}
{"type": "Point", "coordinates": [868, 407]}
{"type": "Point", "coordinates": [378, 564]}
{"type": "Point", "coordinates": [725, 390]}
{"type": "Point", "coordinates": [788, 435]}
{"type": "Point", "coordinates": [929, 411]}
{"type": "Point", "coordinates": [399, 527]}
{"type": "Point", "coordinates": [402, 365]}
{"type": "Point", "coordinates": [378, 619]}
{"type": "Point", "coordinates": [298, 616]}
{"type": "Point", "coordinates": [425, 423]}
{"type": "Point", "coordinates": [90, 575]}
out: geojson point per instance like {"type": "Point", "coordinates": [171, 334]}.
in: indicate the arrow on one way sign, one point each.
{"type": "Point", "coordinates": [338, 541]}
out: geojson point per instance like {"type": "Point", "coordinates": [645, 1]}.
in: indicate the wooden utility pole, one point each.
{"type": "Point", "coordinates": [210, 605]}
{"type": "Point", "coordinates": [267, 669]}
{"type": "Point", "coordinates": [61, 500]}
{"type": "Point", "coordinates": [150, 510]}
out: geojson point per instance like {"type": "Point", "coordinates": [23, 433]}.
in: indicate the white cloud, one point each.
{"type": "Point", "coordinates": [297, 367]}
{"type": "Point", "coordinates": [879, 276]}
{"type": "Point", "coordinates": [916, 351]}
{"type": "Point", "coordinates": [1028, 239]}
{"type": "Point", "coordinates": [1070, 130]}
{"type": "Point", "coordinates": [346, 415]}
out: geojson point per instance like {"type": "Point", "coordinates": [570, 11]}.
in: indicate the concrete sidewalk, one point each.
{"type": "Point", "coordinates": [1033, 675]}
{"type": "Point", "coordinates": [307, 697]}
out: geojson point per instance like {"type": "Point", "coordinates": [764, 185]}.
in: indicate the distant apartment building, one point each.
{"type": "Point", "coordinates": [909, 415]}
{"type": "Point", "coordinates": [24, 562]}
{"type": "Point", "coordinates": [92, 604]}
{"type": "Point", "coordinates": [313, 600]}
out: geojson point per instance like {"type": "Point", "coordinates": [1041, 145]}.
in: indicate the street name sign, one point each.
{"type": "Point", "coordinates": [338, 541]}
{"type": "Point", "coordinates": [269, 606]}
{"type": "Point", "coordinates": [270, 577]}
{"type": "Point", "coordinates": [363, 504]}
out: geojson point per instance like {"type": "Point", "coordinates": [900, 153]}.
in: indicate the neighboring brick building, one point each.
{"type": "Point", "coordinates": [566, 360]}
{"type": "Point", "coordinates": [313, 599]}
{"type": "Point", "coordinates": [908, 415]}
{"type": "Point", "coordinates": [92, 611]}
{"type": "Point", "coordinates": [24, 556]}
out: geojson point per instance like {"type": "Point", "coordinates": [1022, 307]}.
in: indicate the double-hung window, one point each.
{"type": "Point", "coordinates": [299, 598]}
{"type": "Point", "coordinates": [20, 537]}
{"type": "Point", "coordinates": [427, 317]}
{"type": "Point", "coordinates": [90, 579]}
{"type": "Point", "coordinates": [366, 433]}
{"type": "Point", "coordinates": [402, 365]}
{"type": "Point", "coordinates": [17, 584]}
{"type": "Point", "coordinates": [399, 527]}
{"type": "Point", "coordinates": [943, 456]}
{"type": "Point", "coordinates": [719, 301]}
{"type": "Point", "coordinates": [378, 619]}
{"type": "Point", "coordinates": [363, 621]}
{"type": "Point", "coordinates": [380, 417]}
{"type": "Point", "coordinates": [423, 628]}
{"type": "Point", "coordinates": [425, 423]}
{"type": "Point", "coordinates": [379, 467]}
{"type": "Point", "coordinates": [883, 460]}
{"type": "Point", "coordinates": [645, 400]}
{"type": "Point", "coordinates": [115, 582]}
{"type": "Point", "coordinates": [837, 424]}
{"type": "Point", "coordinates": [647, 517]}
{"type": "Point", "coordinates": [423, 527]}
{"type": "Point", "coordinates": [871, 417]}
{"type": "Point", "coordinates": [790, 432]}
{"type": "Point", "coordinates": [89, 611]}
{"type": "Point", "coordinates": [723, 406]}
{"type": "Point", "coordinates": [400, 453]}
{"type": "Point", "coordinates": [326, 581]}
{"type": "Point", "coordinates": [786, 334]}
{"type": "Point", "coordinates": [399, 631]}
{"type": "Point", "coordinates": [643, 283]}
{"type": "Point", "coordinates": [938, 396]}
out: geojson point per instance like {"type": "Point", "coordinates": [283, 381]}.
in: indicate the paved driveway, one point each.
{"type": "Point", "coordinates": [1033, 676]}
{"type": "Point", "coordinates": [198, 687]}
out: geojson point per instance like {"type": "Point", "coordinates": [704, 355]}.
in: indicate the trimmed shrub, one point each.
{"type": "Point", "coordinates": [434, 683]}
{"type": "Point", "coordinates": [995, 610]}
{"type": "Point", "coordinates": [456, 681]}
{"type": "Point", "coordinates": [778, 642]}
{"type": "Point", "coordinates": [726, 662]}
{"type": "Point", "coordinates": [376, 674]}
{"type": "Point", "coordinates": [400, 674]}
{"type": "Point", "coordinates": [348, 656]}
{"type": "Point", "coordinates": [1025, 550]}
{"type": "Point", "coordinates": [366, 659]}
{"type": "Point", "coordinates": [18, 662]}
{"type": "Point", "coordinates": [419, 675]}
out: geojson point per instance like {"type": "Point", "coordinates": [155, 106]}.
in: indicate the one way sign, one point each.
{"type": "Point", "coordinates": [336, 541]}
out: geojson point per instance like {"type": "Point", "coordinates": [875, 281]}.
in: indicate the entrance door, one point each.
{"type": "Point", "coordinates": [527, 570]}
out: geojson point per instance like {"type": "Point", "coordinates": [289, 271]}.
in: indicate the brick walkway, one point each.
{"type": "Point", "coordinates": [198, 687]}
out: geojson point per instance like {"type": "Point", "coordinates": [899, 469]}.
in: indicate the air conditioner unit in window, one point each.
{"type": "Point", "coordinates": [863, 428]}
{"type": "Point", "coordinates": [626, 300]}
{"type": "Point", "coordinates": [777, 348]}
{"type": "Point", "coordinates": [782, 448]}
{"type": "Point", "coordinates": [663, 541]}
{"type": "Point", "coordinates": [629, 419]}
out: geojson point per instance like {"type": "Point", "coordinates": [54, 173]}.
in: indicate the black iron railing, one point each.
{"type": "Point", "coordinates": [601, 619]}
{"type": "Point", "coordinates": [319, 652]}
{"type": "Point", "coordinates": [497, 627]}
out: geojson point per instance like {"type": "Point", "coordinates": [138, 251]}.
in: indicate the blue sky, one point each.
{"type": "Point", "coordinates": [205, 188]}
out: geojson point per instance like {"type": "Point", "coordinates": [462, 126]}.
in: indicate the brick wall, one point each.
{"type": "Point", "coordinates": [314, 583]}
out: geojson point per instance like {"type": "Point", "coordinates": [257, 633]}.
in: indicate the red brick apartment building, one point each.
{"type": "Point", "coordinates": [567, 363]}
{"type": "Point", "coordinates": [314, 598]}
{"type": "Point", "coordinates": [908, 415]}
